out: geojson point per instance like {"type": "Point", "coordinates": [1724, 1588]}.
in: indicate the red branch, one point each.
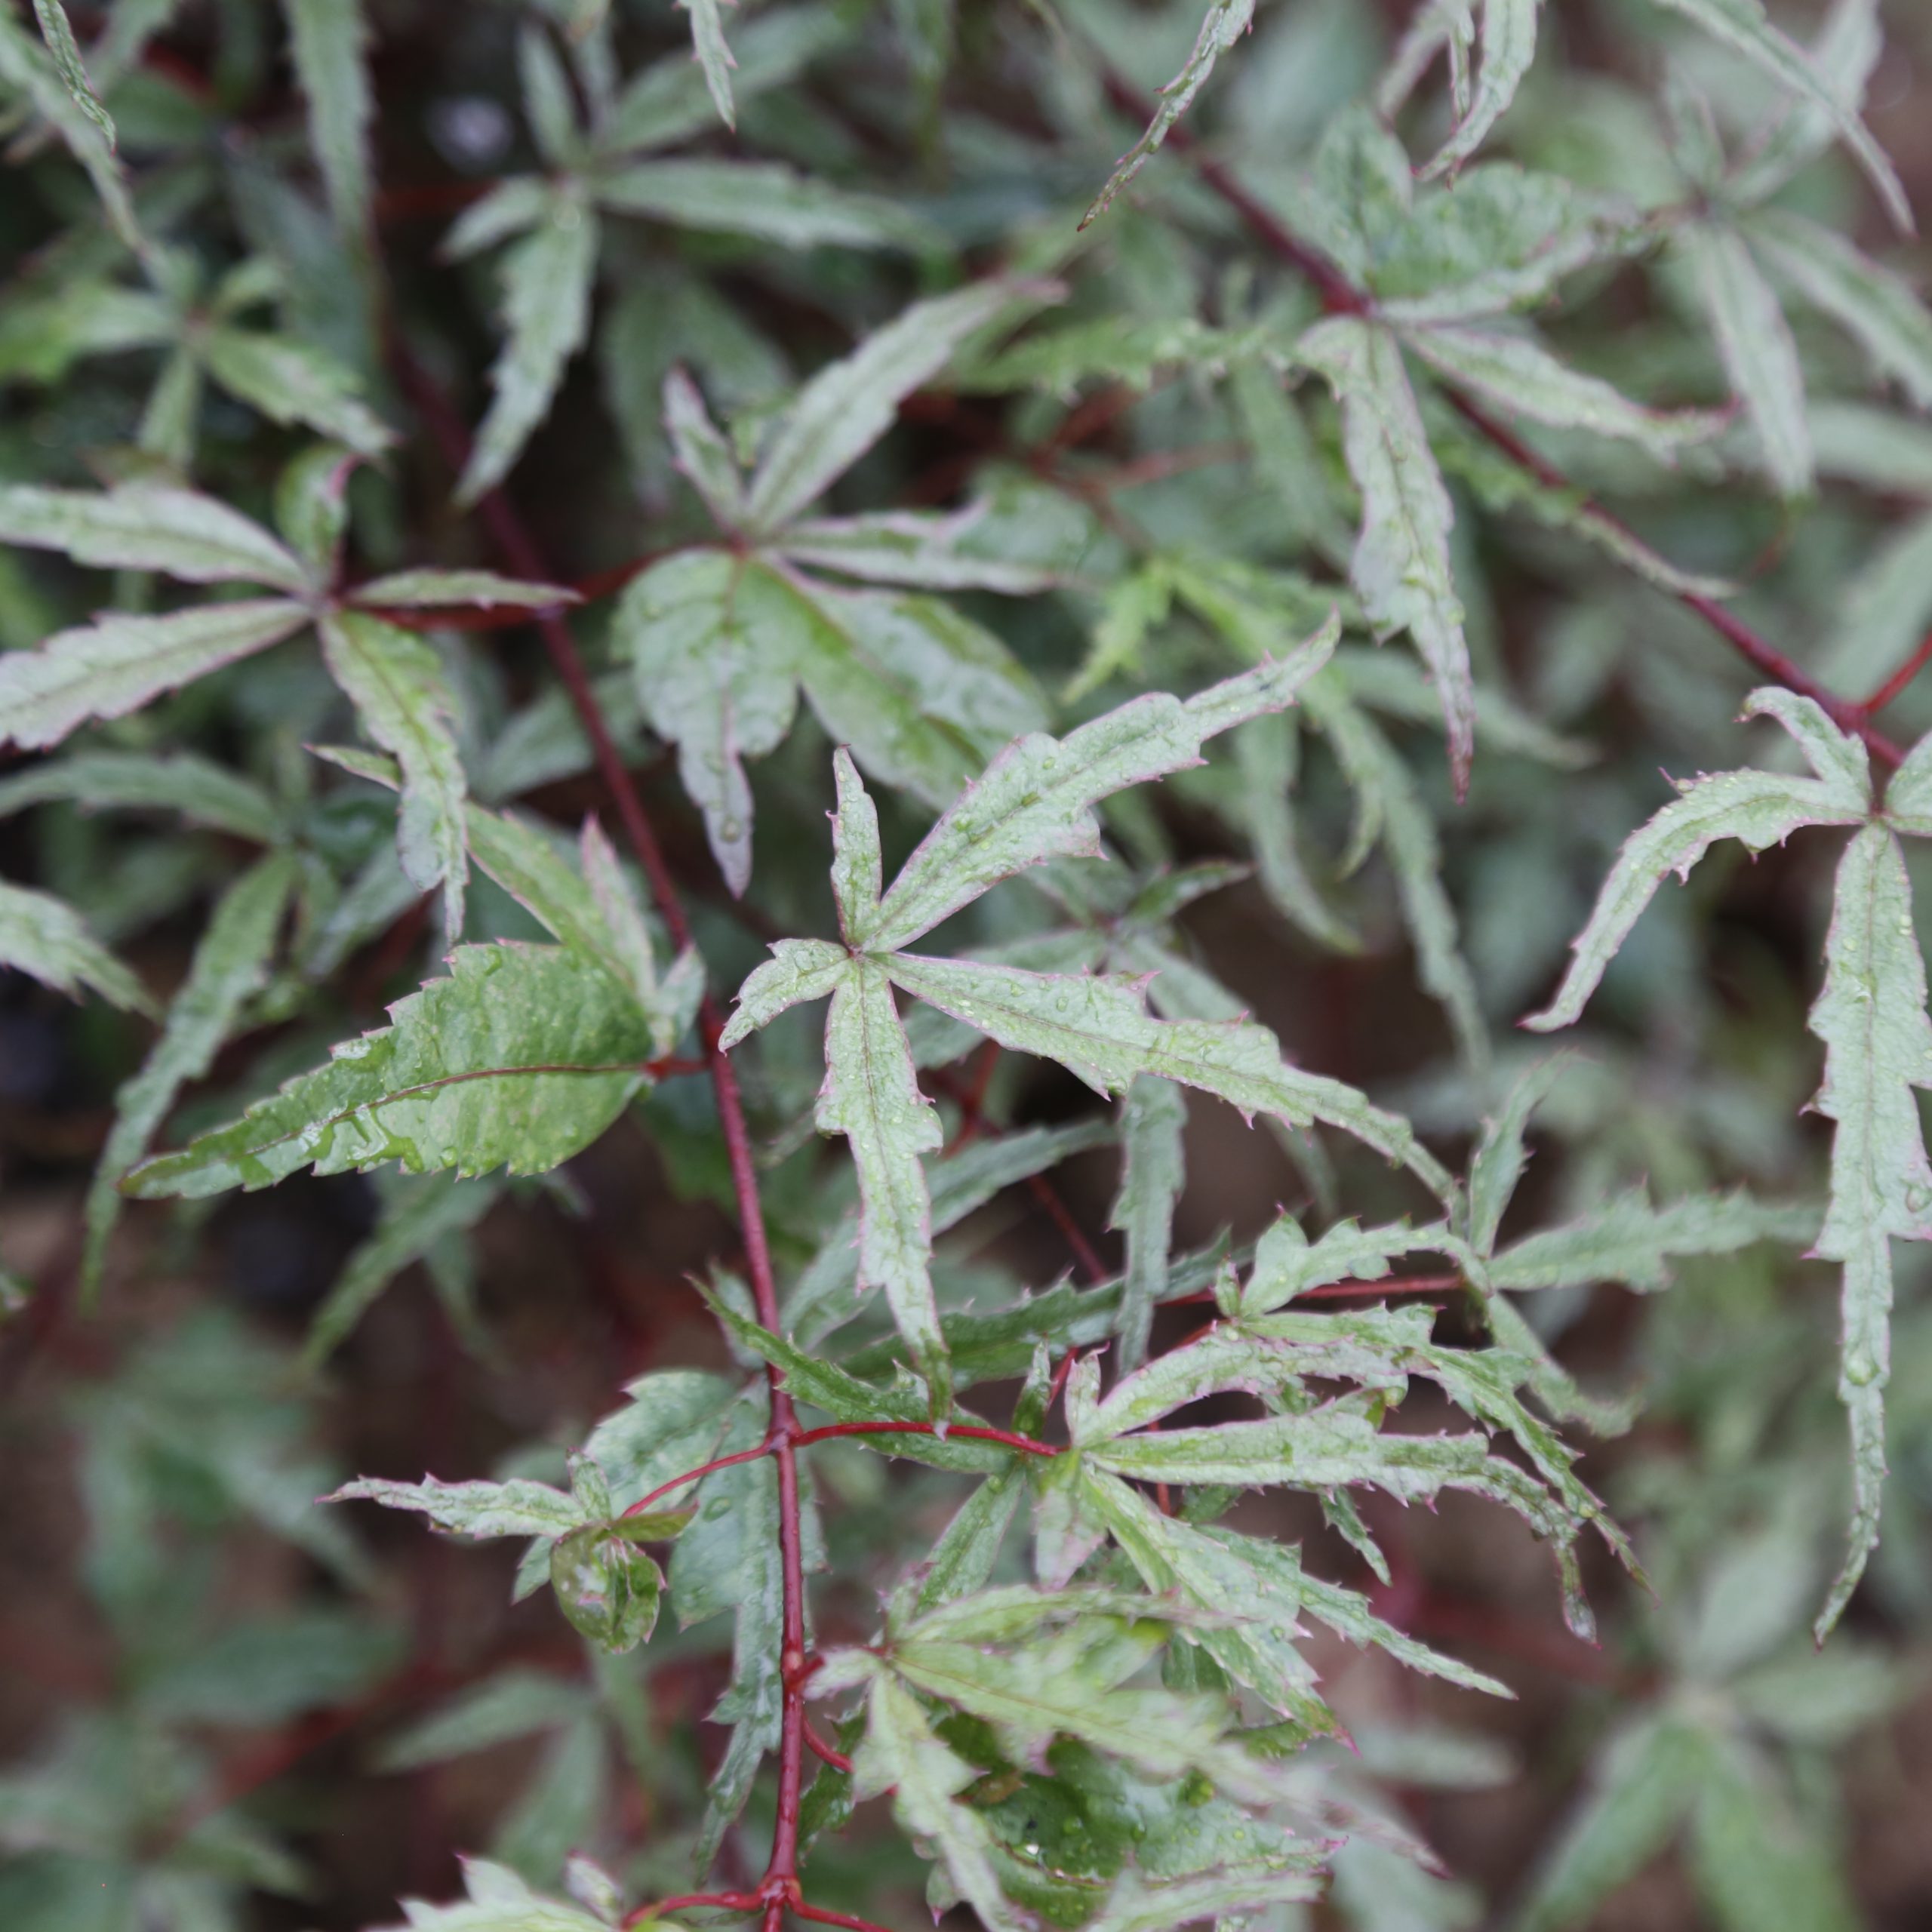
{"type": "Point", "coordinates": [520, 551]}
{"type": "Point", "coordinates": [1339, 297]}
{"type": "Point", "coordinates": [1894, 686]}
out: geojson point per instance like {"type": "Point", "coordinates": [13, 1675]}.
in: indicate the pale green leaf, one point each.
{"type": "Point", "coordinates": [546, 281]}
{"type": "Point", "coordinates": [701, 451]}
{"type": "Point", "coordinates": [499, 1901]}
{"type": "Point", "coordinates": [710, 52]}
{"type": "Point", "coordinates": [115, 665]}
{"type": "Point", "coordinates": [1517, 374]}
{"type": "Point", "coordinates": [46, 939]}
{"type": "Point", "coordinates": [1152, 1116]}
{"type": "Point", "coordinates": [203, 792]}
{"type": "Point", "coordinates": [1758, 808]}
{"type": "Point", "coordinates": [1878, 308]}
{"type": "Point", "coordinates": [548, 106]}
{"type": "Point", "coordinates": [872, 1097]}
{"type": "Point", "coordinates": [799, 970]}
{"type": "Point", "coordinates": [1499, 1158]}
{"type": "Point", "coordinates": [28, 67]}
{"type": "Point", "coordinates": [1287, 1265]}
{"type": "Point", "coordinates": [1743, 24]}
{"type": "Point", "coordinates": [403, 701]}
{"type": "Point", "coordinates": [1098, 1027]}
{"type": "Point", "coordinates": [520, 1058]}
{"type": "Point", "coordinates": [1884, 609]}
{"type": "Point", "coordinates": [901, 1754]}
{"type": "Point", "coordinates": [149, 527]}
{"type": "Point", "coordinates": [229, 966]}
{"type": "Point", "coordinates": [709, 637]}
{"type": "Point", "coordinates": [483, 590]}
{"type": "Point", "coordinates": [858, 875]}
{"type": "Point", "coordinates": [1508, 46]}
{"type": "Point", "coordinates": [295, 382]}
{"type": "Point", "coordinates": [1871, 1015]}
{"type": "Point", "coordinates": [1849, 42]}
{"type": "Point", "coordinates": [1401, 567]}
{"type": "Point", "coordinates": [1128, 348]}
{"type": "Point", "coordinates": [58, 31]}
{"type": "Point", "coordinates": [1760, 357]}
{"type": "Point", "coordinates": [1225, 21]}
{"type": "Point", "coordinates": [1631, 1241]}
{"type": "Point", "coordinates": [511, 207]}
{"type": "Point", "coordinates": [479, 1510]}
{"type": "Point", "coordinates": [669, 100]}
{"type": "Point", "coordinates": [330, 41]}
{"type": "Point", "coordinates": [846, 407]}
{"type": "Point", "coordinates": [1265, 756]}
{"type": "Point", "coordinates": [1035, 802]}
{"type": "Point", "coordinates": [921, 550]}
{"type": "Point", "coordinates": [765, 201]}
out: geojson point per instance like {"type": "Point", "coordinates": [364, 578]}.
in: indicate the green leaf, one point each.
{"type": "Point", "coordinates": [480, 1511]}
{"type": "Point", "coordinates": [1400, 566]}
{"type": "Point", "coordinates": [1152, 1116]}
{"type": "Point", "coordinates": [521, 1057]}
{"type": "Point", "coordinates": [499, 1901]}
{"type": "Point", "coordinates": [846, 407]}
{"type": "Point", "coordinates": [1035, 801]}
{"type": "Point", "coordinates": [203, 792]}
{"type": "Point", "coordinates": [150, 527]}
{"type": "Point", "coordinates": [1753, 1858]}
{"type": "Point", "coordinates": [1499, 1158]}
{"type": "Point", "coordinates": [701, 451]}
{"type": "Point", "coordinates": [1517, 374]}
{"type": "Point", "coordinates": [1638, 1796]}
{"type": "Point", "coordinates": [1631, 1241]}
{"type": "Point", "coordinates": [1879, 309]}
{"type": "Point", "coordinates": [546, 279]}
{"type": "Point", "coordinates": [1098, 1027]}
{"type": "Point", "coordinates": [403, 701]}
{"type": "Point", "coordinates": [712, 55]}
{"type": "Point", "coordinates": [1871, 1015]}
{"type": "Point", "coordinates": [483, 590]}
{"type": "Point", "coordinates": [901, 1754]}
{"type": "Point", "coordinates": [548, 106]}
{"type": "Point", "coordinates": [329, 39]}
{"type": "Point", "coordinates": [1758, 808]}
{"type": "Point", "coordinates": [1760, 357]}
{"type": "Point", "coordinates": [1742, 24]}
{"type": "Point", "coordinates": [419, 1214]}
{"type": "Point", "coordinates": [719, 643]}
{"type": "Point", "coordinates": [229, 966]}
{"type": "Point", "coordinates": [58, 31]}
{"type": "Point", "coordinates": [670, 100]}
{"type": "Point", "coordinates": [41, 936]}
{"type": "Point", "coordinates": [1286, 1264]}
{"type": "Point", "coordinates": [924, 550]}
{"type": "Point", "coordinates": [606, 1587]}
{"type": "Point", "coordinates": [764, 200]}
{"type": "Point", "coordinates": [871, 1096]}
{"type": "Point", "coordinates": [799, 970]}
{"type": "Point", "coordinates": [1126, 348]}
{"type": "Point", "coordinates": [512, 1703]}
{"type": "Point", "coordinates": [1224, 24]}
{"type": "Point", "coordinates": [28, 67]}
{"type": "Point", "coordinates": [295, 382]}
{"type": "Point", "coordinates": [1509, 46]}
{"type": "Point", "coordinates": [590, 909]}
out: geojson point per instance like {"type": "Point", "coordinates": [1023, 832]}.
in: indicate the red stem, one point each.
{"type": "Point", "coordinates": [1894, 686]}
{"type": "Point", "coordinates": [820, 1749]}
{"type": "Point", "coordinates": [519, 550]}
{"type": "Point", "coordinates": [1339, 297]}
{"type": "Point", "coordinates": [725, 1901]}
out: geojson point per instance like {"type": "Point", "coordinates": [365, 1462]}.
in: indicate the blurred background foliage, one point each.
{"type": "Point", "coordinates": [226, 1708]}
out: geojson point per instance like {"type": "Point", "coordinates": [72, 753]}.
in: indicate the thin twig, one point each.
{"type": "Point", "coordinates": [1339, 297]}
